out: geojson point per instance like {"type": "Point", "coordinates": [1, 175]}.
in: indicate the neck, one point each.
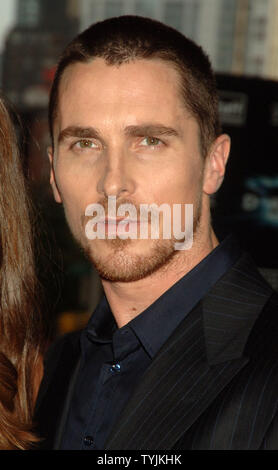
{"type": "Point", "coordinates": [129, 299]}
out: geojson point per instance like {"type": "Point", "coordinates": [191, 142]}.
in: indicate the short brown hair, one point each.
{"type": "Point", "coordinates": [126, 38]}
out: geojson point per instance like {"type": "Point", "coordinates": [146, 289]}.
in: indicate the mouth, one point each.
{"type": "Point", "coordinates": [119, 225]}
{"type": "Point", "coordinates": [117, 221]}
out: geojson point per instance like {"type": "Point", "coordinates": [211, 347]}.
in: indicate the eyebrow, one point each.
{"type": "Point", "coordinates": [76, 131]}
{"type": "Point", "coordinates": [131, 131]}
{"type": "Point", "coordinates": [150, 130]}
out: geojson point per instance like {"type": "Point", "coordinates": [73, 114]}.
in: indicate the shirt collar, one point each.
{"type": "Point", "coordinates": [102, 325]}
{"type": "Point", "coordinates": [165, 314]}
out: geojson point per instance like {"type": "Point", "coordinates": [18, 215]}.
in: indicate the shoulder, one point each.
{"type": "Point", "coordinates": [59, 361]}
{"type": "Point", "coordinates": [264, 335]}
{"type": "Point", "coordinates": [270, 441]}
{"type": "Point", "coordinates": [67, 342]}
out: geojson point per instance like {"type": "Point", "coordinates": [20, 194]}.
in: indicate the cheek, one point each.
{"type": "Point", "coordinates": [76, 177]}
{"type": "Point", "coordinates": [183, 185]}
{"type": "Point", "coordinates": [191, 176]}
{"type": "Point", "coordinates": [70, 190]}
{"type": "Point", "coordinates": [70, 183]}
{"type": "Point", "coordinates": [67, 188]}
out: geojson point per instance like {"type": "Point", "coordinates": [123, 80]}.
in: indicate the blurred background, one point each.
{"type": "Point", "coordinates": [241, 39]}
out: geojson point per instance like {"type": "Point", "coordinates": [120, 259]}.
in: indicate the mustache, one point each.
{"type": "Point", "coordinates": [124, 201]}
{"type": "Point", "coordinates": [119, 202]}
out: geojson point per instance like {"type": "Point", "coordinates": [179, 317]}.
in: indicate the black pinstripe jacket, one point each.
{"type": "Point", "coordinates": [213, 384]}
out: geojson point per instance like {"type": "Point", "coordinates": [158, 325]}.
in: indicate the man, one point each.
{"type": "Point", "coordinates": [182, 351]}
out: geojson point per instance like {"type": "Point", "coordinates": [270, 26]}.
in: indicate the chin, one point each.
{"type": "Point", "coordinates": [126, 261]}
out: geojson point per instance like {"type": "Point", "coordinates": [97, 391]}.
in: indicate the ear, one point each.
{"type": "Point", "coordinates": [53, 183]}
{"type": "Point", "coordinates": [215, 164]}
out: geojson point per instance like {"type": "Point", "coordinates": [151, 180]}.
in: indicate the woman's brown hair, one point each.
{"type": "Point", "coordinates": [20, 320]}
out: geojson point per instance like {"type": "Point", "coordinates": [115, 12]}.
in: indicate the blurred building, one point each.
{"type": "Point", "coordinates": [181, 14]}
{"type": "Point", "coordinates": [256, 38]}
{"type": "Point", "coordinates": [42, 29]}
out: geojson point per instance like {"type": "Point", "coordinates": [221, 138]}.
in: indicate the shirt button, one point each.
{"type": "Point", "coordinates": [115, 368]}
{"type": "Point", "coordinates": [88, 441]}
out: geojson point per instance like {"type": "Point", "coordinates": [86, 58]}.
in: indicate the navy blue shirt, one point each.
{"type": "Point", "coordinates": [113, 359]}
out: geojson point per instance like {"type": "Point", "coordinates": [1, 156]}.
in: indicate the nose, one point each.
{"type": "Point", "coordinates": [116, 178]}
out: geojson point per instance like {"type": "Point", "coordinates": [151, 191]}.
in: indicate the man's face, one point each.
{"type": "Point", "coordinates": [124, 131]}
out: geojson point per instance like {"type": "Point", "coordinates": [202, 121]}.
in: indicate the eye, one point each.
{"type": "Point", "coordinates": [150, 141]}
{"type": "Point", "coordinates": [85, 144]}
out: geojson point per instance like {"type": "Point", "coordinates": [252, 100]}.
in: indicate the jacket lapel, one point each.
{"type": "Point", "coordinates": [231, 308]}
{"type": "Point", "coordinates": [196, 363]}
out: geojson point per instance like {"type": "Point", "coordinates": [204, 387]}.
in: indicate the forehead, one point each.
{"type": "Point", "coordinates": [94, 87]}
